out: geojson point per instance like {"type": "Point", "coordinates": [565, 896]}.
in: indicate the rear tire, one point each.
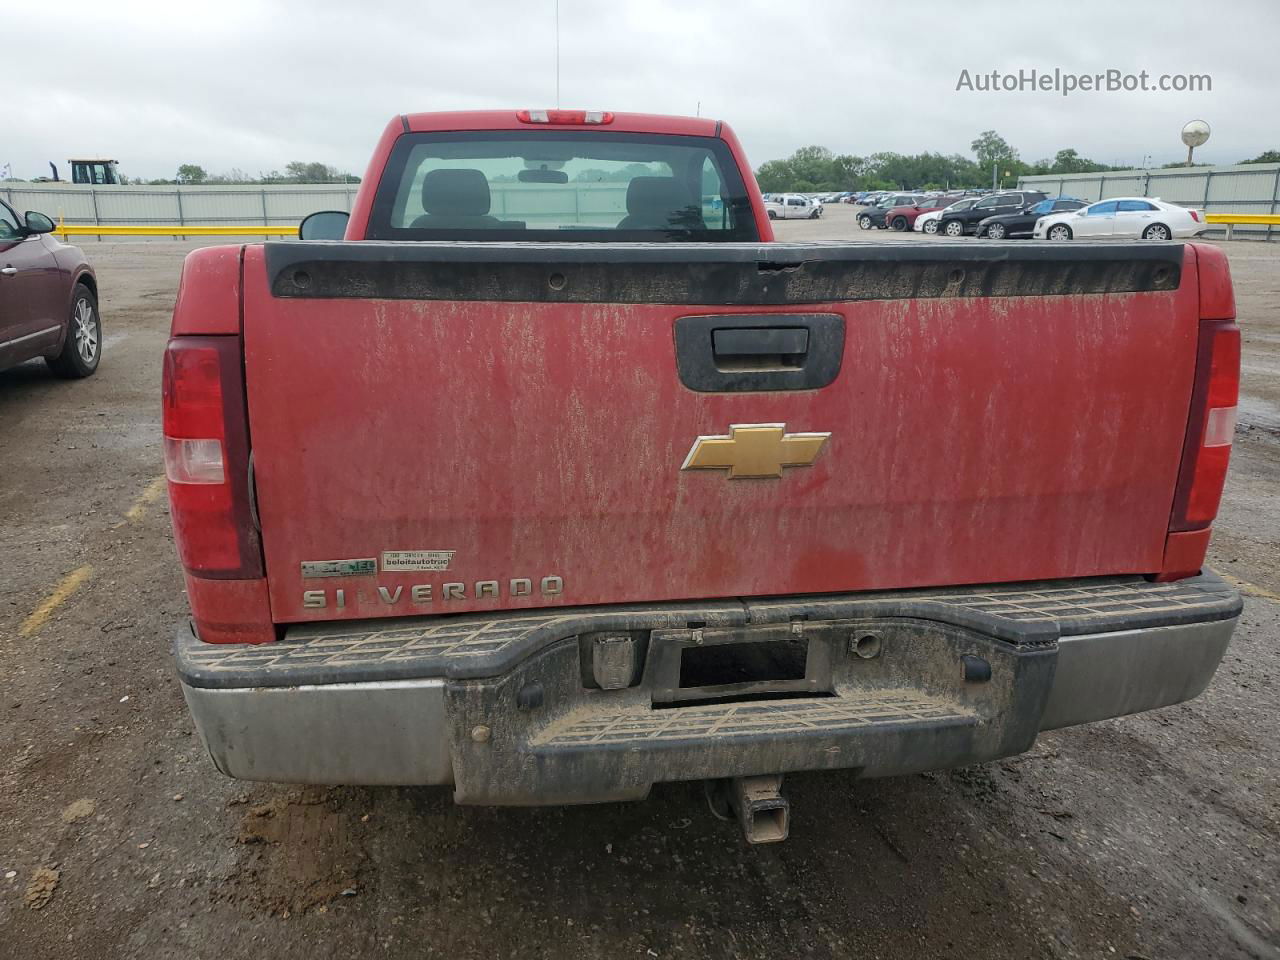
{"type": "Point", "coordinates": [953, 228]}
{"type": "Point", "coordinates": [930, 227]}
{"type": "Point", "coordinates": [1059, 231]}
{"type": "Point", "coordinates": [864, 222]}
{"type": "Point", "coordinates": [899, 223]}
{"type": "Point", "coordinates": [82, 346]}
{"type": "Point", "coordinates": [1157, 231]}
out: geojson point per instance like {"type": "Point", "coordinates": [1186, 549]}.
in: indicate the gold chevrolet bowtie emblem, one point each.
{"type": "Point", "coordinates": [755, 450]}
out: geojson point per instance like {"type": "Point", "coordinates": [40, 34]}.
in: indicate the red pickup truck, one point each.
{"type": "Point", "coordinates": [558, 477]}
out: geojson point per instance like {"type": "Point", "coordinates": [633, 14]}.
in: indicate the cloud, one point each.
{"type": "Point", "coordinates": [254, 85]}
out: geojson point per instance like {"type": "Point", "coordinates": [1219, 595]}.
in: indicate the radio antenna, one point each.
{"type": "Point", "coordinates": [557, 54]}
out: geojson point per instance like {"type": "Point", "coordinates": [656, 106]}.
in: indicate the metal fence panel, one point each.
{"type": "Point", "coordinates": [266, 205]}
{"type": "Point", "coordinates": [201, 206]}
{"type": "Point", "coordinates": [53, 201]}
{"type": "Point", "coordinates": [1181, 188]}
{"type": "Point", "coordinates": [292, 205]}
{"type": "Point", "coordinates": [1121, 187]}
{"type": "Point", "coordinates": [1247, 187]}
{"type": "Point", "coordinates": [114, 207]}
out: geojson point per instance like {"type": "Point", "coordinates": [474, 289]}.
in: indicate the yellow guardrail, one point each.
{"type": "Point", "coordinates": [1263, 218]}
{"type": "Point", "coordinates": [1233, 220]}
{"type": "Point", "coordinates": [171, 230]}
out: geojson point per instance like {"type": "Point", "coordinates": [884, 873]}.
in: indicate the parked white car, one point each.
{"type": "Point", "coordinates": [1129, 217]}
{"type": "Point", "coordinates": [792, 206]}
{"type": "Point", "coordinates": [928, 222]}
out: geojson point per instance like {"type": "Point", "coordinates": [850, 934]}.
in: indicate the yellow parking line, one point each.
{"type": "Point", "coordinates": [147, 497]}
{"type": "Point", "coordinates": [68, 585]}
{"type": "Point", "coordinates": [1250, 588]}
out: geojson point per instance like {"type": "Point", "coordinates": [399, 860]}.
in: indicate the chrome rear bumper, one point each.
{"type": "Point", "coordinates": [501, 707]}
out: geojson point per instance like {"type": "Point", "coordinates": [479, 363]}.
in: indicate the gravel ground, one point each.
{"type": "Point", "coordinates": [1156, 836]}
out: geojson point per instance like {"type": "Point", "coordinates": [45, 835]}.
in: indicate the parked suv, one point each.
{"type": "Point", "coordinates": [875, 216]}
{"type": "Point", "coordinates": [960, 222]}
{"type": "Point", "coordinates": [48, 298]}
{"type": "Point", "coordinates": [1002, 226]}
{"type": "Point", "coordinates": [904, 218]}
{"type": "Point", "coordinates": [928, 222]}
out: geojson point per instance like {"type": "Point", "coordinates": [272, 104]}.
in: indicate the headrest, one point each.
{"type": "Point", "coordinates": [455, 193]}
{"type": "Point", "coordinates": [656, 200]}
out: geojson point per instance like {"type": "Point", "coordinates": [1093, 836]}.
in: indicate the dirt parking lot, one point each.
{"type": "Point", "coordinates": [1156, 836]}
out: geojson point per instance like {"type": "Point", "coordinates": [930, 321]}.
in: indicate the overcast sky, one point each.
{"type": "Point", "coordinates": [255, 85]}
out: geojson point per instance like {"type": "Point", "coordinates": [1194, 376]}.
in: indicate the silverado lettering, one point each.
{"type": "Point", "coordinates": [422, 593]}
{"type": "Point", "coordinates": [997, 525]}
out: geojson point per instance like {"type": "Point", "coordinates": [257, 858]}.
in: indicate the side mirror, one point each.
{"type": "Point", "coordinates": [38, 222]}
{"type": "Point", "coordinates": [324, 225]}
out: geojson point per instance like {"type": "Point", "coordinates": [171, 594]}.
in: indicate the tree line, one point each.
{"type": "Point", "coordinates": [298, 171]}
{"type": "Point", "coordinates": [817, 168]}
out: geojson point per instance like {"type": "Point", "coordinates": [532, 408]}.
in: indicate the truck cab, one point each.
{"type": "Point", "coordinates": [791, 206]}
{"type": "Point", "coordinates": [98, 172]}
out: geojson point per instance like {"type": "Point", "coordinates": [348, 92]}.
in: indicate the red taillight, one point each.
{"type": "Point", "coordinates": [564, 116]}
{"type": "Point", "coordinates": [1195, 215]}
{"type": "Point", "coordinates": [1207, 450]}
{"type": "Point", "coordinates": [206, 453]}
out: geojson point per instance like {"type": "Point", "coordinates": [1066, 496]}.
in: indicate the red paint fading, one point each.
{"type": "Point", "coordinates": [973, 441]}
{"type": "Point", "coordinates": [208, 293]}
{"type": "Point", "coordinates": [362, 205]}
{"type": "Point", "coordinates": [1184, 554]}
{"type": "Point", "coordinates": [479, 120]}
{"type": "Point", "coordinates": [764, 226]}
{"type": "Point", "coordinates": [230, 611]}
{"type": "Point", "coordinates": [1217, 298]}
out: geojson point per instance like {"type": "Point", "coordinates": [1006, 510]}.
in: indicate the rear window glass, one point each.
{"type": "Point", "coordinates": [537, 185]}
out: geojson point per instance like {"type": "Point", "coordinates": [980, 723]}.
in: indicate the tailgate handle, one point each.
{"type": "Point", "coordinates": [759, 348]}
{"type": "Point", "coordinates": [729, 353]}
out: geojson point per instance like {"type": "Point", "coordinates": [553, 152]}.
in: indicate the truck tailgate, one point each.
{"type": "Point", "coordinates": [505, 426]}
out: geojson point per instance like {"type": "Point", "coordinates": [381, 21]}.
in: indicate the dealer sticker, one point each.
{"type": "Point", "coordinates": [364, 567]}
{"type": "Point", "coordinates": [413, 560]}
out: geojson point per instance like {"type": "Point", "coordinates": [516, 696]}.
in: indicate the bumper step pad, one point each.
{"type": "Point", "coordinates": [827, 714]}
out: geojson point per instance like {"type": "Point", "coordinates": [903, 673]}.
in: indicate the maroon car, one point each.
{"type": "Point", "coordinates": [904, 218]}
{"type": "Point", "coordinates": [48, 298]}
